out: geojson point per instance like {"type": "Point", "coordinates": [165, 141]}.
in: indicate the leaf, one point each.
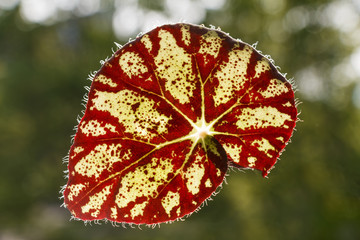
{"type": "Point", "coordinates": [165, 117]}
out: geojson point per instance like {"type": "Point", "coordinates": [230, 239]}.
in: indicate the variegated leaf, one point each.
{"type": "Point", "coordinates": [166, 115]}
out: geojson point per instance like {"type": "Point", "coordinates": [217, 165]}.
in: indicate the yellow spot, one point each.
{"type": "Point", "coordinates": [77, 150]}
{"type": "Point", "coordinates": [233, 150]}
{"type": "Point", "coordinates": [185, 33]}
{"type": "Point", "coordinates": [208, 183]}
{"type": "Point", "coordinates": [218, 172]}
{"type": "Point", "coordinates": [210, 44]}
{"type": "Point", "coordinates": [138, 209]}
{"type": "Point", "coordinates": [232, 75]}
{"type": "Point", "coordinates": [275, 88]}
{"type": "Point", "coordinates": [193, 175]}
{"type": "Point", "coordinates": [174, 66]}
{"type": "Point", "coordinates": [144, 181]}
{"type": "Point", "coordinates": [104, 80]}
{"type": "Point", "coordinates": [102, 157]}
{"type": "Point", "coordinates": [193, 202]}
{"type": "Point", "coordinates": [94, 128]}
{"type": "Point", "coordinates": [288, 104]}
{"type": "Point", "coordinates": [74, 190]}
{"type": "Point", "coordinates": [261, 117]}
{"type": "Point", "coordinates": [113, 212]}
{"type": "Point", "coordinates": [96, 201]}
{"type": "Point", "coordinates": [135, 112]}
{"type": "Point", "coordinates": [171, 200]}
{"type": "Point", "coordinates": [261, 67]}
{"type": "Point", "coordinates": [132, 64]}
{"type": "Point", "coordinates": [145, 39]}
{"type": "Point", "coordinates": [264, 146]}
{"type": "Point", "coordinates": [251, 161]}
{"type": "Point", "coordinates": [281, 139]}
{"type": "Point", "coordinates": [96, 213]}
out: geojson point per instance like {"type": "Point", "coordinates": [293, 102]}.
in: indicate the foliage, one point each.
{"type": "Point", "coordinates": [314, 193]}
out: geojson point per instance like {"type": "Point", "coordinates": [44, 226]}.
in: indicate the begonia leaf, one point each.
{"type": "Point", "coordinates": [165, 117]}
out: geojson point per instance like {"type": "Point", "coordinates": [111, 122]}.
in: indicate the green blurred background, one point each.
{"type": "Point", "coordinates": [48, 48]}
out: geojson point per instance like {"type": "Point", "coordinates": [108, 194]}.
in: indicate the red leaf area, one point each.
{"type": "Point", "coordinates": [165, 117]}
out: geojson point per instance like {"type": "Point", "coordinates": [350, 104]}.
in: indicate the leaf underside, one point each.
{"type": "Point", "coordinates": [166, 116]}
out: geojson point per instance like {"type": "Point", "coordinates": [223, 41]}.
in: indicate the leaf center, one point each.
{"type": "Point", "coordinates": [201, 130]}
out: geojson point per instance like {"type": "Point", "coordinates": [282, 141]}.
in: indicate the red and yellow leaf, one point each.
{"type": "Point", "coordinates": [165, 117]}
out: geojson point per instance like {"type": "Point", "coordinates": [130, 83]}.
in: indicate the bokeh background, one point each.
{"type": "Point", "coordinates": [48, 48]}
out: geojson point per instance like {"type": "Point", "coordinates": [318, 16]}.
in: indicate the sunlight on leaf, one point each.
{"type": "Point", "coordinates": [166, 116]}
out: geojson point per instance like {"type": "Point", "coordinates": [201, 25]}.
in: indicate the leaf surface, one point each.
{"type": "Point", "coordinates": [165, 117]}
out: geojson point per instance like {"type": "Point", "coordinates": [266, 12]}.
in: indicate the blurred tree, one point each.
{"type": "Point", "coordinates": [47, 48]}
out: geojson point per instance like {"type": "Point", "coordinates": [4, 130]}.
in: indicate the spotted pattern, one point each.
{"type": "Point", "coordinates": [114, 213]}
{"type": "Point", "coordinates": [96, 201]}
{"type": "Point", "coordinates": [138, 209]}
{"type": "Point", "coordinates": [145, 39]}
{"type": "Point", "coordinates": [101, 158]}
{"type": "Point", "coordinates": [170, 201]}
{"type": "Point", "coordinates": [104, 80]}
{"type": "Point", "coordinates": [174, 66]}
{"type": "Point", "coordinates": [233, 150]}
{"type": "Point", "coordinates": [194, 174]}
{"type": "Point", "coordinates": [165, 116]}
{"type": "Point", "coordinates": [232, 79]}
{"type": "Point", "coordinates": [77, 150]}
{"type": "Point", "coordinates": [261, 66]}
{"type": "Point", "coordinates": [210, 44]}
{"type": "Point", "coordinates": [96, 128]}
{"type": "Point", "coordinates": [185, 34]}
{"type": "Point", "coordinates": [143, 181]}
{"type": "Point", "coordinates": [75, 190]}
{"type": "Point", "coordinates": [132, 64]}
{"type": "Point", "coordinates": [251, 161]}
{"type": "Point", "coordinates": [136, 113]}
{"type": "Point", "coordinates": [274, 89]}
{"type": "Point", "coordinates": [262, 117]}
{"type": "Point", "coordinates": [264, 146]}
